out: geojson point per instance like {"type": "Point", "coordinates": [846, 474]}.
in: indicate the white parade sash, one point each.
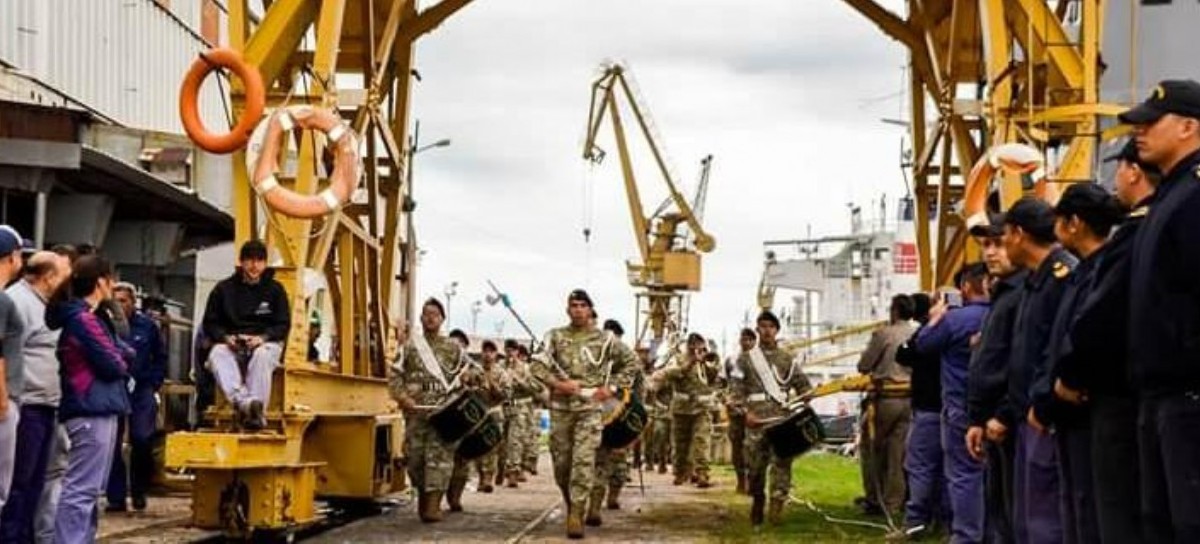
{"type": "Point", "coordinates": [428, 360]}
{"type": "Point", "coordinates": [766, 376]}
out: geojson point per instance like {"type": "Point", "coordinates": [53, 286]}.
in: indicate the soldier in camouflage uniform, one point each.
{"type": "Point", "coordinates": [737, 412]}
{"type": "Point", "coordinates": [612, 466]}
{"type": "Point", "coordinates": [534, 410]}
{"type": "Point", "coordinates": [519, 413]}
{"type": "Point", "coordinates": [658, 411]}
{"type": "Point", "coordinates": [756, 392]}
{"type": "Point", "coordinates": [695, 383]}
{"type": "Point", "coordinates": [422, 379]}
{"type": "Point", "coordinates": [581, 366]}
{"type": "Point", "coordinates": [493, 382]}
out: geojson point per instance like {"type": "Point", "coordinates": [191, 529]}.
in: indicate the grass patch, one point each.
{"type": "Point", "coordinates": [831, 482]}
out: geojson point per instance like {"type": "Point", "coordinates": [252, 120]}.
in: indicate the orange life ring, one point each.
{"type": "Point", "coordinates": [264, 162]}
{"type": "Point", "coordinates": [189, 98]}
{"type": "Point", "coordinates": [1011, 157]}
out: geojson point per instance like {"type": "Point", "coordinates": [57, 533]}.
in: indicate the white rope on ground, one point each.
{"type": "Point", "coordinates": [809, 504]}
{"type": "Point", "coordinates": [534, 524]}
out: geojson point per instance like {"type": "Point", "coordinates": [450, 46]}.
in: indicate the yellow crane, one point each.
{"type": "Point", "coordinates": [669, 258]}
{"type": "Point", "coordinates": [333, 430]}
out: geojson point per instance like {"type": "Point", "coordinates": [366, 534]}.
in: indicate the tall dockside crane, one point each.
{"type": "Point", "coordinates": [670, 256]}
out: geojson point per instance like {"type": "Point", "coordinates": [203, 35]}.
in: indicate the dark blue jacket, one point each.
{"type": "Point", "coordinates": [1164, 287]}
{"type": "Point", "coordinates": [951, 338]}
{"type": "Point", "coordinates": [1029, 359]}
{"type": "Point", "coordinates": [988, 380]}
{"type": "Point", "coordinates": [1096, 357]}
{"type": "Point", "coordinates": [94, 362]}
{"type": "Point", "coordinates": [150, 366]}
{"type": "Point", "coordinates": [1049, 410]}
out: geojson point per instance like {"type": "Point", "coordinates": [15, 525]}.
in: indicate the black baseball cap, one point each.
{"type": "Point", "coordinates": [1033, 216]}
{"type": "Point", "coordinates": [1177, 96]}
{"type": "Point", "coordinates": [993, 228]}
{"type": "Point", "coordinates": [1129, 154]}
{"type": "Point", "coordinates": [1091, 203]}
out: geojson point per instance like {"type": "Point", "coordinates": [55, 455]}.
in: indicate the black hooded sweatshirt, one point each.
{"type": "Point", "coordinates": [237, 307]}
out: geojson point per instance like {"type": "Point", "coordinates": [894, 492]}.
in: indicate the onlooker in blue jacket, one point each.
{"type": "Point", "coordinates": [145, 377]}
{"type": "Point", "coordinates": [95, 365]}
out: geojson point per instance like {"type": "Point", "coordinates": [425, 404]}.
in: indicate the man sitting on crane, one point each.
{"type": "Point", "coordinates": [247, 318]}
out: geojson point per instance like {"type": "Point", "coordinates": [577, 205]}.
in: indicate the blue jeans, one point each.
{"type": "Point", "coordinates": [923, 463]}
{"type": "Point", "coordinates": [35, 436]}
{"type": "Point", "coordinates": [89, 460]}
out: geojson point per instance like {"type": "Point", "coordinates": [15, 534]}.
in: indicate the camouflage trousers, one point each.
{"type": "Point", "coordinates": [658, 441]}
{"type": "Point", "coordinates": [429, 461]}
{"type": "Point", "coordinates": [692, 434]}
{"type": "Point", "coordinates": [517, 442]}
{"type": "Point", "coordinates": [612, 469]}
{"type": "Point", "coordinates": [574, 440]}
{"type": "Point", "coordinates": [761, 462]}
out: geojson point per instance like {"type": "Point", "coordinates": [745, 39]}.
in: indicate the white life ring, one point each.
{"type": "Point", "coordinates": [262, 158]}
{"type": "Point", "coordinates": [1012, 158]}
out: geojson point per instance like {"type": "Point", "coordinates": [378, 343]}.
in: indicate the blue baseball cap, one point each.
{"type": "Point", "coordinates": [11, 241]}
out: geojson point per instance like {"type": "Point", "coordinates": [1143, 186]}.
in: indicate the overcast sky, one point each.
{"type": "Point", "coordinates": [786, 94]}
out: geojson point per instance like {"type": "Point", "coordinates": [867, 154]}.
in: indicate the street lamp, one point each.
{"type": "Point", "coordinates": [414, 148]}
{"type": "Point", "coordinates": [450, 291]}
{"type": "Point", "coordinates": [476, 307]}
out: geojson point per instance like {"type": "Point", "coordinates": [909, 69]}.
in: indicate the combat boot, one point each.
{"type": "Point", "coordinates": [429, 507]}
{"type": "Point", "coordinates": [662, 468]}
{"type": "Point", "coordinates": [454, 495]}
{"type": "Point", "coordinates": [679, 479]}
{"type": "Point", "coordinates": [513, 478]}
{"type": "Point", "coordinates": [574, 522]}
{"type": "Point", "coordinates": [775, 512]}
{"type": "Point", "coordinates": [485, 483]}
{"type": "Point", "coordinates": [521, 477]}
{"type": "Point", "coordinates": [741, 484]}
{"type": "Point", "coordinates": [702, 481]}
{"type": "Point", "coordinates": [593, 518]}
{"type": "Point", "coordinates": [756, 510]}
{"type": "Point", "coordinates": [614, 498]}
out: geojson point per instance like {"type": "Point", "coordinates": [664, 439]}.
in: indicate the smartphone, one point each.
{"type": "Point", "coordinates": [951, 298]}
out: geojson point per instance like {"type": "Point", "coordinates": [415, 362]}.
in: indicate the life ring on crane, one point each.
{"type": "Point", "coordinates": [263, 161]}
{"type": "Point", "coordinates": [189, 99]}
{"type": "Point", "coordinates": [1011, 157]}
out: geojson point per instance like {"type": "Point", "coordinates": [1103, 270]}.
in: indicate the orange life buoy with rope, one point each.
{"type": "Point", "coordinates": [263, 162]}
{"type": "Point", "coordinates": [189, 101]}
{"type": "Point", "coordinates": [1011, 157]}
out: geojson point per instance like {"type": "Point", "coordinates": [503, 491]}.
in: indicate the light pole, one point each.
{"type": "Point", "coordinates": [414, 148]}
{"type": "Point", "coordinates": [476, 307]}
{"type": "Point", "coordinates": [450, 291]}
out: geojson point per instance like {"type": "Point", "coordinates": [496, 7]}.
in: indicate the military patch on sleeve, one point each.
{"type": "Point", "coordinates": [1060, 270]}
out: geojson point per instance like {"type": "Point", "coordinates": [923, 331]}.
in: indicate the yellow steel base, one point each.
{"type": "Point", "coordinates": [239, 502]}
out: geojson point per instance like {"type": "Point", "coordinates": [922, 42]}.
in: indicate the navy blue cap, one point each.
{"type": "Point", "coordinates": [11, 241]}
{"type": "Point", "coordinates": [992, 229]}
{"type": "Point", "coordinates": [1129, 154]}
{"type": "Point", "coordinates": [1177, 96]}
{"type": "Point", "coordinates": [1034, 216]}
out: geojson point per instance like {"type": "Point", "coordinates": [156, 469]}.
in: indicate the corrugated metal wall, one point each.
{"type": "Point", "coordinates": [124, 58]}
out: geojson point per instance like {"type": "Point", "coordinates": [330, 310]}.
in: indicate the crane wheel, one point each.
{"type": "Point", "coordinates": [262, 159]}
{"type": "Point", "coordinates": [189, 99]}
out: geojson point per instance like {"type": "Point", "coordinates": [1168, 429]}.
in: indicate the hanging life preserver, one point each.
{"type": "Point", "coordinates": [189, 101]}
{"type": "Point", "coordinates": [1012, 158]}
{"type": "Point", "coordinates": [263, 161]}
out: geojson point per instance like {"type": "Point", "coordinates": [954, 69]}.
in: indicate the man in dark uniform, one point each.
{"type": "Point", "coordinates": [927, 499]}
{"type": "Point", "coordinates": [1084, 216]}
{"type": "Point", "coordinates": [987, 438]}
{"type": "Point", "coordinates": [1094, 369]}
{"type": "Point", "coordinates": [1164, 316]}
{"type": "Point", "coordinates": [1030, 243]}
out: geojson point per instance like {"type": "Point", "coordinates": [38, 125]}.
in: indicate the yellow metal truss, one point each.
{"type": "Point", "coordinates": [336, 433]}
{"type": "Point", "coordinates": [996, 71]}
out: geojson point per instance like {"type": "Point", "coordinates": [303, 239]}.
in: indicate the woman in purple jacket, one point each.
{"type": "Point", "coordinates": [94, 366]}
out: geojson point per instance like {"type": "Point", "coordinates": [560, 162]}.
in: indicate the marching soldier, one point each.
{"type": "Point", "coordinates": [519, 414]}
{"type": "Point", "coordinates": [533, 411]}
{"type": "Point", "coordinates": [612, 466]}
{"type": "Point", "coordinates": [768, 375]}
{"type": "Point", "coordinates": [737, 412]}
{"type": "Point", "coordinates": [658, 435]}
{"type": "Point", "coordinates": [495, 385]}
{"type": "Point", "coordinates": [580, 366]}
{"type": "Point", "coordinates": [422, 379]}
{"type": "Point", "coordinates": [693, 382]}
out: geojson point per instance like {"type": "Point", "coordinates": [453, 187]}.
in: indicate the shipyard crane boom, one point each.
{"type": "Point", "coordinates": [667, 266]}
